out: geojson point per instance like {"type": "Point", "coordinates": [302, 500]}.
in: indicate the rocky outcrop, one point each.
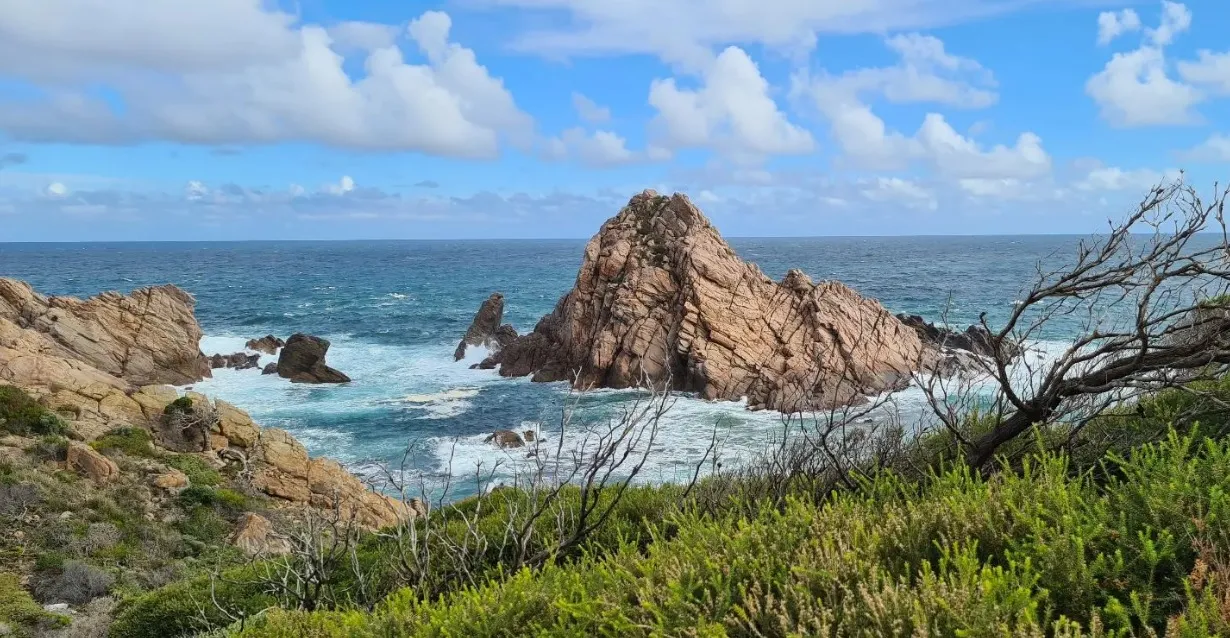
{"type": "Point", "coordinates": [267, 344]}
{"type": "Point", "coordinates": [237, 361]}
{"type": "Point", "coordinates": [98, 468]}
{"type": "Point", "coordinates": [270, 368]}
{"type": "Point", "coordinates": [975, 339]}
{"type": "Point", "coordinates": [303, 361]}
{"type": "Point", "coordinates": [45, 349]}
{"type": "Point", "coordinates": [661, 299]}
{"type": "Point", "coordinates": [282, 468]}
{"type": "Point", "coordinates": [506, 439]}
{"type": "Point", "coordinates": [486, 330]}
{"type": "Point", "coordinates": [149, 336]}
{"type": "Point", "coordinates": [254, 536]}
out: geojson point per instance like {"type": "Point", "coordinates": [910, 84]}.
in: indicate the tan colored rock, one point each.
{"type": "Point", "coordinates": [100, 469]}
{"type": "Point", "coordinates": [660, 298]}
{"type": "Point", "coordinates": [236, 425]}
{"type": "Point", "coordinates": [172, 479]}
{"type": "Point", "coordinates": [254, 535]}
{"type": "Point", "coordinates": [506, 439]}
{"type": "Point", "coordinates": [149, 336]}
{"type": "Point", "coordinates": [154, 399]}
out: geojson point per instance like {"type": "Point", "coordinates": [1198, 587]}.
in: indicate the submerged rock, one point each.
{"type": "Point", "coordinates": [486, 329]}
{"type": "Point", "coordinates": [303, 361]}
{"type": "Point", "coordinates": [270, 368]}
{"type": "Point", "coordinates": [237, 361]}
{"type": "Point", "coordinates": [662, 300]}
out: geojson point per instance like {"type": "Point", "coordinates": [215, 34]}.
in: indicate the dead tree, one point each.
{"type": "Point", "coordinates": [1149, 298]}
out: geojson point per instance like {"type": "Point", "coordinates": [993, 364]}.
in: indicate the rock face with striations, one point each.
{"type": "Point", "coordinates": [662, 299]}
{"type": "Point", "coordinates": [486, 330]}
{"type": "Point", "coordinates": [150, 336]}
{"type": "Point", "coordinates": [303, 361]}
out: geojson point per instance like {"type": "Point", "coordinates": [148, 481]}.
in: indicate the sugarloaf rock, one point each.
{"type": "Point", "coordinates": [662, 300]}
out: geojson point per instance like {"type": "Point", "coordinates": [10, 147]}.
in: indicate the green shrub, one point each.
{"type": "Point", "coordinates": [20, 612]}
{"type": "Point", "coordinates": [197, 469]}
{"type": "Point", "coordinates": [182, 405]}
{"type": "Point", "coordinates": [1036, 552]}
{"type": "Point", "coordinates": [205, 525]}
{"type": "Point", "coordinates": [188, 607]}
{"type": "Point", "coordinates": [50, 447]}
{"type": "Point", "coordinates": [134, 442]}
{"type": "Point", "coordinates": [20, 414]}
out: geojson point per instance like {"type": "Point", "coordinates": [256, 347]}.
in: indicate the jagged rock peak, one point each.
{"type": "Point", "coordinates": [660, 298]}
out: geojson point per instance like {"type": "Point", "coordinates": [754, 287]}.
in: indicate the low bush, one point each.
{"type": "Point", "coordinates": [134, 442]}
{"type": "Point", "coordinates": [20, 613]}
{"type": "Point", "coordinates": [1034, 552]}
{"type": "Point", "coordinates": [188, 606]}
{"type": "Point", "coordinates": [20, 414]}
{"type": "Point", "coordinates": [197, 469]}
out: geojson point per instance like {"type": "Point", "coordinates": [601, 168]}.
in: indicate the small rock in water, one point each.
{"type": "Point", "coordinates": [505, 439]}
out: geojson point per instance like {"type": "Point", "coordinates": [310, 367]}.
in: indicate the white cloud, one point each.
{"type": "Point", "coordinates": [901, 191]}
{"type": "Point", "coordinates": [1113, 24]}
{"type": "Point", "coordinates": [362, 36]}
{"type": "Point", "coordinates": [56, 189]}
{"type": "Point", "coordinates": [1135, 88]}
{"type": "Point", "coordinates": [684, 31]}
{"type": "Point", "coordinates": [926, 73]}
{"type": "Point", "coordinates": [588, 111]}
{"type": "Point", "coordinates": [1211, 70]}
{"type": "Point", "coordinates": [195, 190]}
{"type": "Point", "coordinates": [234, 71]}
{"type": "Point", "coordinates": [599, 149]}
{"type": "Point", "coordinates": [731, 112]}
{"type": "Point", "coordinates": [343, 186]}
{"type": "Point", "coordinates": [1111, 178]}
{"type": "Point", "coordinates": [1214, 149]}
{"type": "Point", "coordinates": [1176, 18]}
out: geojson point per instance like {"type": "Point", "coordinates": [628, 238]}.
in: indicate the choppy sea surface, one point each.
{"type": "Point", "coordinates": [394, 311]}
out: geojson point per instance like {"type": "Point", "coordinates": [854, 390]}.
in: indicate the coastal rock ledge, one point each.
{"type": "Point", "coordinates": [662, 300]}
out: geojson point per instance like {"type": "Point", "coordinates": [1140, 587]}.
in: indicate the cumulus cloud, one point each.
{"type": "Point", "coordinates": [588, 111]}
{"type": "Point", "coordinates": [1101, 178]}
{"type": "Point", "coordinates": [235, 71]}
{"type": "Point", "coordinates": [1112, 24]}
{"type": "Point", "coordinates": [926, 73]}
{"type": "Point", "coordinates": [343, 186]}
{"type": "Point", "coordinates": [1215, 149]}
{"type": "Point", "coordinates": [731, 112]}
{"type": "Point", "coordinates": [1136, 88]}
{"type": "Point", "coordinates": [902, 191]}
{"type": "Point", "coordinates": [56, 189]}
{"type": "Point", "coordinates": [598, 149]}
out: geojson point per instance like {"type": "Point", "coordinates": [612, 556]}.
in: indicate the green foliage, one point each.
{"type": "Point", "coordinates": [134, 442]}
{"type": "Point", "coordinates": [182, 405]}
{"type": "Point", "coordinates": [18, 610]}
{"type": "Point", "coordinates": [197, 469]}
{"type": "Point", "coordinates": [187, 607]}
{"type": "Point", "coordinates": [20, 414]}
{"type": "Point", "coordinates": [1029, 553]}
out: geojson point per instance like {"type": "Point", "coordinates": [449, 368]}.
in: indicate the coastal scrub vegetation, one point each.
{"type": "Point", "coordinates": [1081, 493]}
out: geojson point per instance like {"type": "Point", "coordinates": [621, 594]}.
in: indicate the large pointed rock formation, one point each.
{"type": "Point", "coordinates": [661, 299]}
{"type": "Point", "coordinates": [486, 329]}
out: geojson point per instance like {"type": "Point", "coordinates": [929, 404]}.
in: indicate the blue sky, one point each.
{"type": "Point", "coordinates": [243, 119]}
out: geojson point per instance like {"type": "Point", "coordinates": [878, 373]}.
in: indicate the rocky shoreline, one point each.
{"type": "Point", "coordinates": [111, 362]}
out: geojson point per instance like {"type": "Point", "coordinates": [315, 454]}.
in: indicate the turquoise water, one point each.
{"type": "Point", "coordinates": [394, 311]}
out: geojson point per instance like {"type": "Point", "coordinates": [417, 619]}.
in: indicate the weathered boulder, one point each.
{"type": "Point", "coordinates": [975, 339]}
{"type": "Point", "coordinates": [303, 361]}
{"type": "Point", "coordinates": [662, 300]}
{"type": "Point", "coordinates": [254, 536]}
{"type": "Point", "coordinates": [149, 336]}
{"type": "Point", "coordinates": [486, 330]}
{"type": "Point", "coordinates": [270, 368]}
{"type": "Point", "coordinates": [283, 469]}
{"type": "Point", "coordinates": [267, 344]}
{"type": "Point", "coordinates": [237, 361]}
{"type": "Point", "coordinates": [171, 480]}
{"type": "Point", "coordinates": [505, 439]}
{"type": "Point", "coordinates": [84, 459]}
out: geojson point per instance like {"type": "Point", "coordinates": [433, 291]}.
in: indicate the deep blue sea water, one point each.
{"type": "Point", "coordinates": [394, 311]}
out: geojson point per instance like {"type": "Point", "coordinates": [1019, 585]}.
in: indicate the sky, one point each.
{"type": "Point", "coordinates": [398, 119]}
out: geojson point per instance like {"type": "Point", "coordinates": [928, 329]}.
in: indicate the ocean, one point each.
{"type": "Point", "coordinates": [395, 310]}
